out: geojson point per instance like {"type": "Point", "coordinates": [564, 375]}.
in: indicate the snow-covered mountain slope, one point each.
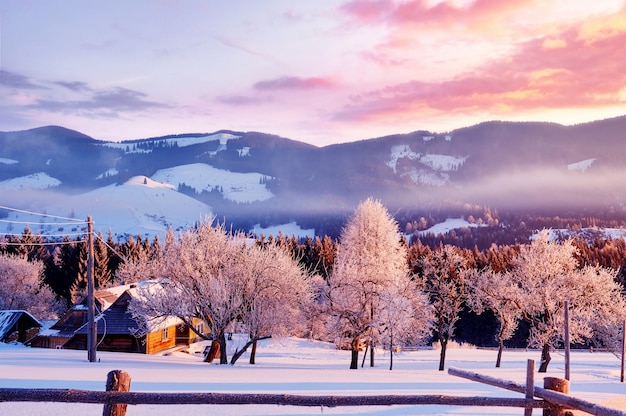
{"type": "Point", "coordinates": [286, 230]}
{"type": "Point", "coordinates": [583, 165]}
{"type": "Point", "coordinates": [234, 186]}
{"type": "Point", "coordinates": [39, 180]}
{"type": "Point", "coordinates": [178, 141]}
{"type": "Point", "coordinates": [251, 177]}
{"type": "Point", "coordinates": [140, 206]}
{"type": "Point", "coordinates": [423, 168]}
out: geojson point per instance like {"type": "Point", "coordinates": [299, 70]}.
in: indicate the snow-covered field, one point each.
{"type": "Point", "coordinates": [295, 366]}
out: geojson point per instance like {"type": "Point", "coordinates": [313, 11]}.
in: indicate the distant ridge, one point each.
{"type": "Point", "coordinates": [501, 164]}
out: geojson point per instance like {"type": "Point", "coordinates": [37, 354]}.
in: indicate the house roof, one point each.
{"type": "Point", "coordinates": [117, 319]}
{"type": "Point", "coordinates": [8, 319]}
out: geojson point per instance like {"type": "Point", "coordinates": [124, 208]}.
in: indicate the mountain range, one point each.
{"type": "Point", "coordinates": [256, 180]}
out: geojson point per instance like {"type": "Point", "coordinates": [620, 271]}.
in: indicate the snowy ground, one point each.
{"type": "Point", "coordinates": [294, 366]}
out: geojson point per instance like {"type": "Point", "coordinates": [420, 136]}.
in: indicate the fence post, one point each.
{"type": "Point", "coordinates": [117, 380]}
{"type": "Point", "coordinates": [530, 385]}
{"type": "Point", "coordinates": [560, 385]}
{"type": "Point", "coordinates": [623, 349]}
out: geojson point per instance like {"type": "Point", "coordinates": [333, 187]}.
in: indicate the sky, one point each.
{"type": "Point", "coordinates": [322, 72]}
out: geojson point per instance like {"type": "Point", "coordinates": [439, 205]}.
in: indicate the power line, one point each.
{"type": "Point", "coordinates": [51, 243]}
{"type": "Point", "coordinates": [41, 235]}
{"type": "Point", "coordinates": [42, 215]}
{"type": "Point", "coordinates": [121, 256]}
{"type": "Point", "coordinates": [42, 223]}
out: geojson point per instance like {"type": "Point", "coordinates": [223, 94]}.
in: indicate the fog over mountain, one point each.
{"type": "Point", "coordinates": [249, 178]}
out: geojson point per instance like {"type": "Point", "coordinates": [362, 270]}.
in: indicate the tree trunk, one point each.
{"type": "Point", "coordinates": [545, 358]}
{"type": "Point", "coordinates": [442, 354]}
{"type": "Point", "coordinates": [222, 340]}
{"type": "Point", "coordinates": [503, 328]}
{"type": "Point", "coordinates": [253, 353]}
{"type": "Point", "coordinates": [391, 350]}
{"type": "Point", "coordinates": [500, 348]}
{"type": "Point", "coordinates": [367, 346]}
{"type": "Point", "coordinates": [213, 353]}
{"type": "Point", "coordinates": [239, 353]}
{"type": "Point", "coordinates": [354, 348]}
{"type": "Point", "coordinates": [371, 337]}
{"type": "Point", "coordinates": [251, 341]}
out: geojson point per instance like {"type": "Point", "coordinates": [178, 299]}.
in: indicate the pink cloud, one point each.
{"type": "Point", "coordinates": [577, 73]}
{"type": "Point", "coordinates": [417, 12]}
{"type": "Point", "coordinates": [368, 11]}
{"type": "Point", "coordinates": [294, 83]}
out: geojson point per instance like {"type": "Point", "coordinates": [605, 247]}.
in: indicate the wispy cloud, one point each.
{"type": "Point", "coordinates": [295, 83]}
{"type": "Point", "coordinates": [74, 85]}
{"type": "Point", "coordinates": [106, 103]}
{"type": "Point", "coordinates": [14, 80]}
{"type": "Point", "coordinates": [243, 100]}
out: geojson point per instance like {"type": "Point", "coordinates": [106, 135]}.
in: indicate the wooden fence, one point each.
{"type": "Point", "coordinates": [117, 397]}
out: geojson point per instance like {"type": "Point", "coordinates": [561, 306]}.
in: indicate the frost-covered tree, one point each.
{"type": "Point", "coordinates": [22, 287]}
{"type": "Point", "coordinates": [200, 274]}
{"type": "Point", "coordinates": [443, 272]}
{"type": "Point", "coordinates": [276, 291]}
{"type": "Point", "coordinates": [370, 260]}
{"type": "Point", "coordinates": [406, 317]}
{"type": "Point", "coordinates": [213, 275]}
{"type": "Point", "coordinates": [496, 292]}
{"type": "Point", "coordinates": [547, 274]}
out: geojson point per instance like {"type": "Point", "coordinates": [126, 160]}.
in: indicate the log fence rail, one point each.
{"type": "Point", "coordinates": [118, 396]}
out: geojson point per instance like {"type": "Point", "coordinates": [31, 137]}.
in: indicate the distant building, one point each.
{"type": "Point", "coordinates": [117, 329]}
{"type": "Point", "coordinates": [17, 325]}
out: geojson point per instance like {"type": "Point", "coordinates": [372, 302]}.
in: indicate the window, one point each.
{"type": "Point", "coordinates": [165, 334]}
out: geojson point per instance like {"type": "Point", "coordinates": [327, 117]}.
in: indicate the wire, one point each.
{"type": "Point", "coordinates": [42, 223]}
{"type": "Point", "coordinates": [57, 243]}
{"type": "Point", "coordinates": [121, 256]}
{"type": "Point", "coordinates": [42, 235]}
{"type": "Point", "coordinates": [104, 333]}
{"type": "Point", "coordinates": [42, 215]}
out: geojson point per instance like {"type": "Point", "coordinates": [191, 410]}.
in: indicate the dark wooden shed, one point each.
{"type": "Point", "coordinates": [18, 325]}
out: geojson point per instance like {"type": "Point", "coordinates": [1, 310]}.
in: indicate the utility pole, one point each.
{"type": "Point", "coordinates": [91, 324]}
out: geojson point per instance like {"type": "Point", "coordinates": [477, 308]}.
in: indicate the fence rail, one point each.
{"type": "Point", "coordinates": [117, 397]}
{"type": "Point", "coordinates": [138, 398]}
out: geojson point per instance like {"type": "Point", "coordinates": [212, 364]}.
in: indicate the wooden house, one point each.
{"type": "Point", "coordinates": [18, 325]}
{"type": "Point", "coordinates": [118, 331]}
{"type": "Point", "coordinates": [64, 329]}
